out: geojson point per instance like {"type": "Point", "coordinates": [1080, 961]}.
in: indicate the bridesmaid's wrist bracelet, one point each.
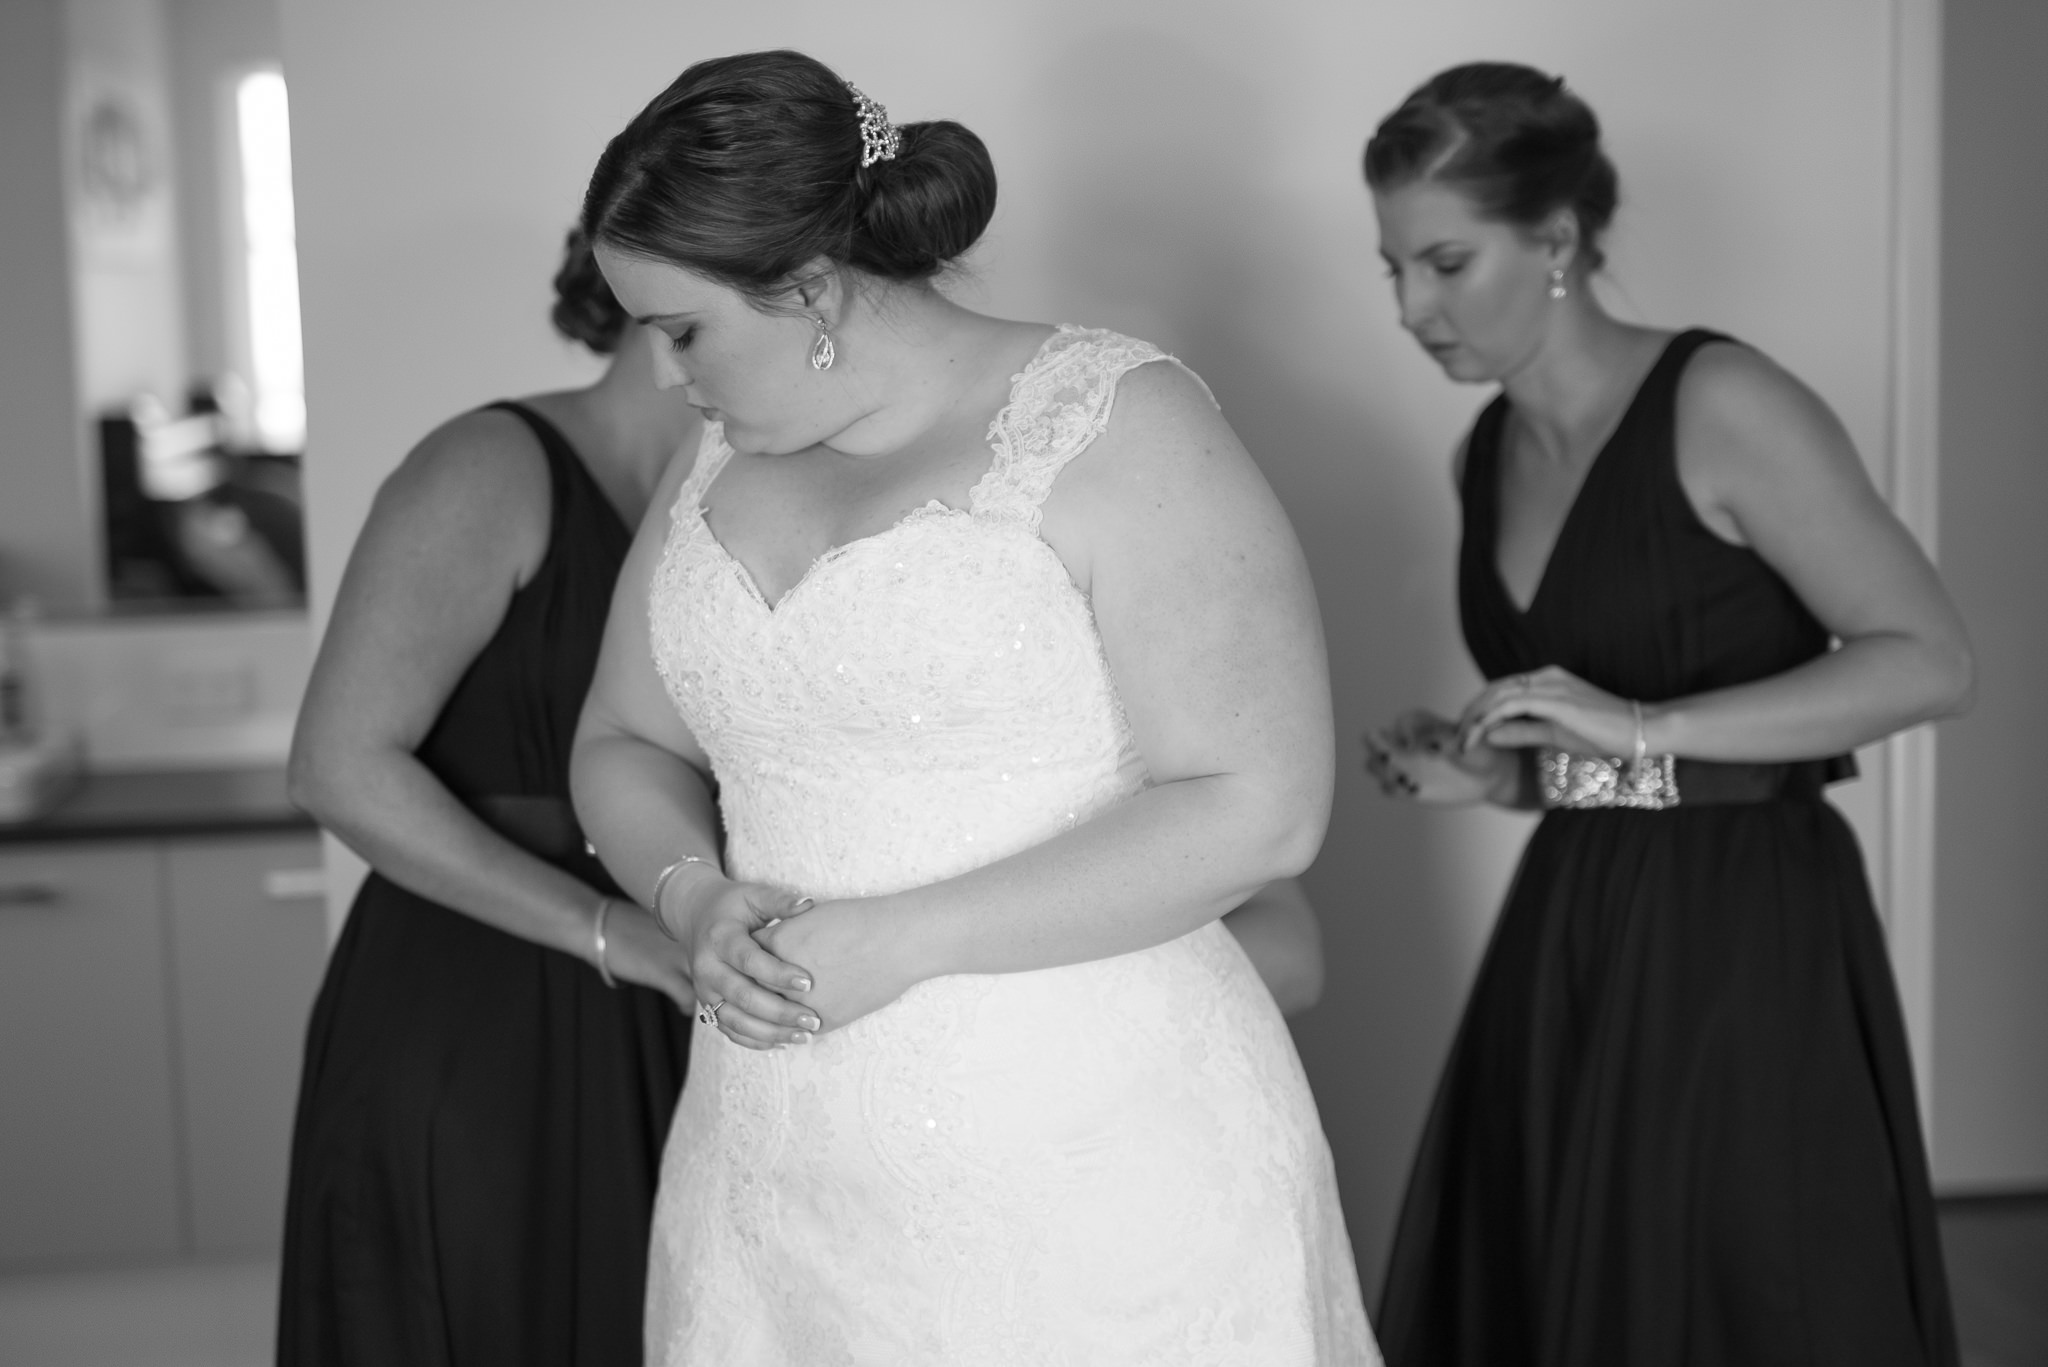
{"type": "Point", "coordinates": [604, 969]}
{"type": "Point", "coordinates": [661, 882]}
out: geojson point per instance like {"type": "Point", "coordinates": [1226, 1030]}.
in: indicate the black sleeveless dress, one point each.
{"type": "Point", "coordinates": [481, 1119]}
{"type": "Point", "coordinates": [1678, 1123]}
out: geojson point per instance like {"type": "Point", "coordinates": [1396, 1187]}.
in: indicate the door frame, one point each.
{"type": "Point", "coordinates": [1913, 455]}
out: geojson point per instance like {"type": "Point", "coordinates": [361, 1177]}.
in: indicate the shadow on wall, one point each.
{"type": "Point", "coordinates": [1172, 138]}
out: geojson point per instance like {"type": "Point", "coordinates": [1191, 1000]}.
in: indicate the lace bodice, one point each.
{"type": "Point", "coordinates": [925, 699]}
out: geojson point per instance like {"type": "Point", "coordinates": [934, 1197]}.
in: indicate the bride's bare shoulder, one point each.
{"type": "Point", "coordinates": [1163, 424]}
{"type": "Point", "coordinates": [1166, 474]}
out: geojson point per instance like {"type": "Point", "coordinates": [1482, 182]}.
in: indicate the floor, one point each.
{"type": "Point", "coordinates": [188, 1315]}
{"type": "Point", "coordinates": [221, 1314]}
{"type": "Point", "coordinates": [1997, 1251]}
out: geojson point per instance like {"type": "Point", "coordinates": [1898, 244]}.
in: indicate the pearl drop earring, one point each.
{"type": "Point", "coordinates": [1557, 289]}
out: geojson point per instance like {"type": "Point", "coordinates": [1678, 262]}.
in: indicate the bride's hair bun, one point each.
{"type": "Point", "coordinates": [925, 206]}
{"type": "Point", "coordinates": [748, 168]}
{"type": "Point", "coordinates": [1513, 140]}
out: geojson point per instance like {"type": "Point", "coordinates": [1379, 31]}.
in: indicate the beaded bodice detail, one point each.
{"type": "Point", "coordinates": [925, 699]}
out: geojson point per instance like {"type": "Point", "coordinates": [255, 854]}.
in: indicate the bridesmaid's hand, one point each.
{"type": "Point", "coordinates": [1420, 757]}
{"type": "Point", "coordinates": [755, 991]}
{"type": "Point", "coordinates": [1551, 708]}
{"type": "Point", "coordinates": [849, 955]}
{"type": "Point", "coordinates": [637, 952]}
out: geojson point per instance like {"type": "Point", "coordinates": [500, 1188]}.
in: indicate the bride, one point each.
{"type": "Point", "coordinates": [999, 662]}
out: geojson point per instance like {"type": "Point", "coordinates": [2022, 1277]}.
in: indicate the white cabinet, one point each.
{"type": "Point", "coordinates": [153, 1004]}
{"type": "Point", "coordinates": [248, 944]}
{"type": "Point", "coordinates": [88, 1101]}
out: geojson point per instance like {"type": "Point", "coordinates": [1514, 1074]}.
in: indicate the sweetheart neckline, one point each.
{"type": "Point", "coordinates": [931, 510]}
{"type": "Point", "coordinates": [997, 439]}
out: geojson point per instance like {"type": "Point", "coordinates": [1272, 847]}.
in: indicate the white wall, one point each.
{"type": "Point", "coordinates": [1186, 172]}
{"type": "Point", "coordinates": [1991, 947]}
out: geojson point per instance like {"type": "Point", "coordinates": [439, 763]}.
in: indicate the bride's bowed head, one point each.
{"type": "Point", "coordinates": [765, 200]}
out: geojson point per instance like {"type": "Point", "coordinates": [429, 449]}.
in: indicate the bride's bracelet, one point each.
{"type": "Point", "coordinates": [661, 881]}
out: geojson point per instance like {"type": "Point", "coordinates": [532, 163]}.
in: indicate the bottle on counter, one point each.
{"type": "Point", "coordinates": [39, 765]}
{"type": "Point", "coordinates": [17, 688]}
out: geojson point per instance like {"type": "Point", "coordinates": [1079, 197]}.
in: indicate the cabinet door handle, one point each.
{"type": "Point", "coordinates": [31, 892]}
{"type": "Point", "coordinates": [289, 885]}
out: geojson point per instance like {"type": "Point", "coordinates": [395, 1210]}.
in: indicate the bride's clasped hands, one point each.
{"type": "Point", "coordinates": [855, 964]}
{"type": "Point", "coordinates": [753, 995]}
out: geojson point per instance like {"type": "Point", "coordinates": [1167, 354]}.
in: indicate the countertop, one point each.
{"type": "Point", "coordinates": [147, 805]}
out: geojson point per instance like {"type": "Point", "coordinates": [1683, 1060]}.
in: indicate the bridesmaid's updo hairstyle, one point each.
{"type": "Point", "coordinates": [748, 168]}
{"type": "Point", "coordinates": [1512, 140]}
{"type": "Point", "coordinates": [585, 309]}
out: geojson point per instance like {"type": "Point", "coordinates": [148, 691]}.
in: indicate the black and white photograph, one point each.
{"type": "Point", "coordinates": [1054, 684]}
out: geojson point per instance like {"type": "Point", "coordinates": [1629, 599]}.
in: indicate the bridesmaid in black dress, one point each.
{"type": "Point", "coordinates": [1678, 1123]}
{"type": "Point", "coordinates": [501, 1037]}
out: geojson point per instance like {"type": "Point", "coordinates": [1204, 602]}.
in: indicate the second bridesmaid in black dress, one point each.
{"type": "Point", "coordinates": [501, 1037]}
{"type": "Point", "coordinates": [1678, 1124]}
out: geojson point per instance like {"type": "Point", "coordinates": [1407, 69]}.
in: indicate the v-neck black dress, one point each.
{"type": "Point", "coordinates": [1678, 1123]}
{"type": "Point", "coordinates": [481, 1119]}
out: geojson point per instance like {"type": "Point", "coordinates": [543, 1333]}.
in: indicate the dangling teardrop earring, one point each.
{"type": "Point", "coordinates": [823, 353]}
{"type": "Point", "coordinates": [1557, 290]}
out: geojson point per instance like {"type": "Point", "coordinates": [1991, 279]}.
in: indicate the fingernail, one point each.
{"type": "Point", "coordinates": [801, 1037]}
{"type": "Point", "coordinates": [804, 904]}
{"type": "Point", "coordinates": [800, 984]}
{"type": "Point", "coordinates": [808, 1022]}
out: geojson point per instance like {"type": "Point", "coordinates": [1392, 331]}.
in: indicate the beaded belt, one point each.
{"type": "Point", "coordinates": [1577, 781]}
{"type": "Point", "coordinates": [1580, 782]}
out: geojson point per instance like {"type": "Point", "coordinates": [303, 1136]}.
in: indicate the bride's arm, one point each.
{"type": "Point", "coordinates": [642, 792]}
{"type": "Point", "coordinates": [1209, 622]}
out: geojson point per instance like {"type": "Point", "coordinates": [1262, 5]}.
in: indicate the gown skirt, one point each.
{"type": "Point", "coordinates": [475, 1161]}
{"type": "Point", "coordinates": [1678, 1125]}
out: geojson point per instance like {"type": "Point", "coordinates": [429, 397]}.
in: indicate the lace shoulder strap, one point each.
{"type": "Point", "coordinates": [1058, 405]}
{"type": "Point", "coordinates": [713, 451]}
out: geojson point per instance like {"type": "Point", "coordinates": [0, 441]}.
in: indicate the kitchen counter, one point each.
{"type": "Point", "coordinates": [143, 805]}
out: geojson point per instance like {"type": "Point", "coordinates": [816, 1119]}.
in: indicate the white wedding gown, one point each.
{"type": "Point", "coordinates": [1110, 1164]}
